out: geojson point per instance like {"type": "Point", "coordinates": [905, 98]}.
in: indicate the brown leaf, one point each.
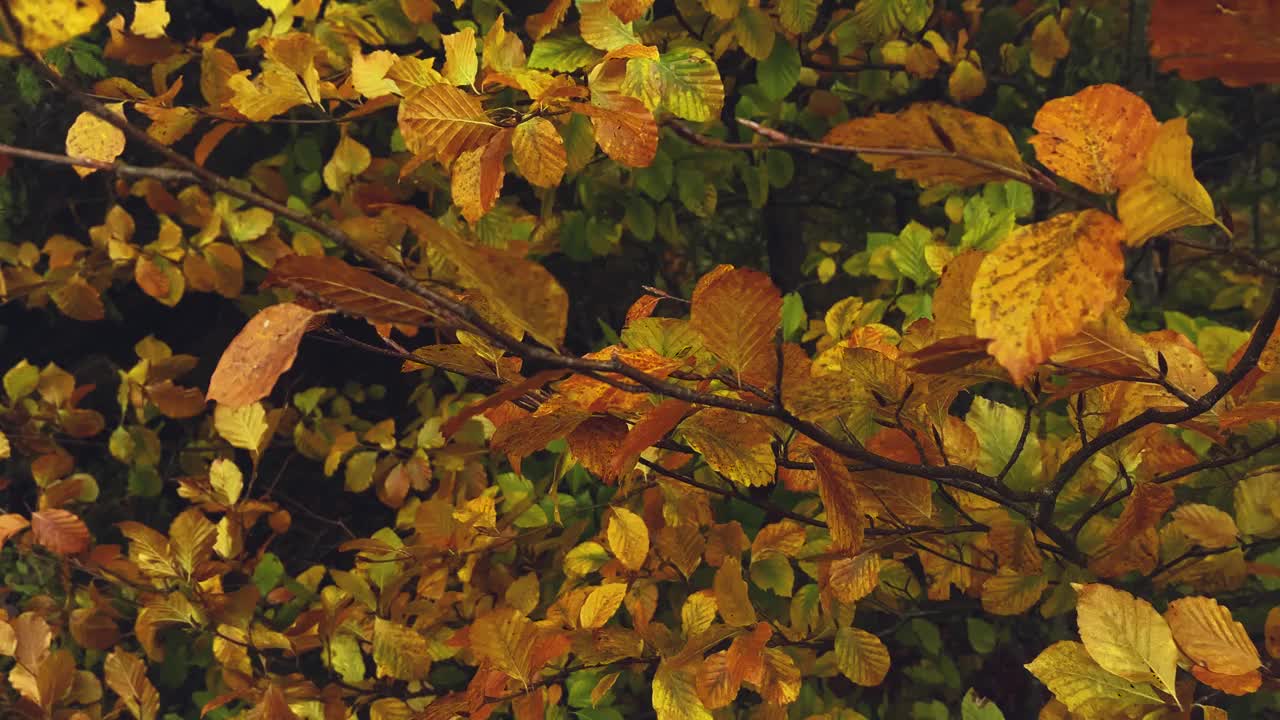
{"type": "Point", "coordinates": [737, 313]}
{"type": "Point", "coordinates": [538, 151]}
{"type": "Point", "coordinates": [259, 354]}
{"type": "Point", "coordinates": [1234, 41]}
{"type": "Point", "coordinates": [478, 174]}
{"type": "Point", "coordinates": [1206, 633]}
{"type": "Point", "coordinates": [441, 122]}
{"type": "Point", "coordinates": [60, 530]}
{"type": "Point", "coordinates": [349, 289]}
{"type": "Point", "coordinates": [126, 675]}
{"type": "Point", "coordinates": [840, 500]}
{"type": "Point", "coordinates": [625, 128]}
{"type": "Point", "coordinates": [654, 426]}
{"type": "Point", "coordinates": [929, 137]}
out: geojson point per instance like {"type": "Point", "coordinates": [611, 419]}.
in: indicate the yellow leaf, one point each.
{"type": "Point", "coordinates": [460, 62]}
{"type": "Point", "coordinates": [1256, 512]}
{"type": "Point", "coordinates": [48, 23]}
{"type": "Point", "coordinates": [191, 536]}
{"type": "Point", "coordinates": [508, 641]}
{"type": "Point", "coordinates": [289, 78]}
{"type": "Point", "coordinates": [735, 445]}
{"type": "Point", "coordinates": [844, 513]}
{"type": "Point", "coordinates": [1084, 687]}
{"type": "Point", "coordinates": [930, 136]}
{"type": "Point", "coordinates": [731, 594]}
{"type": "Point", "coordinates": [674, 694]}
{"type": "Point", "coordinates": [369, 73]}
{"type": "Point", "coordinates": [441, 122]}
{"type": "Point", "coordinates": [1049, 44]}
{"type": "Point", "coordinates": [1012, 594]}
{"type": "Point", "coordinates": [1043, 284]}
{"type": "Point", "coordinates": [1096, 138]}
{"type": "Point", "coordinates": [126, 675]}
{"type": "Point", "coordinates": [780, 684]}
{"type": "Point", "coordinates": [737, 313]}
{"type": "Point", "coordinates": [851, 578]}
{"type": "Point", "coordinates": [1126, 636]}
{"type": "Point", "coordinates": [861, 656]}
{"type": "Point", "coordinates": [244, 427]}
{"type": "Point", "coordinates": [697, 613]}
{"type": "Point", "coordinates": [5, 448]}
{"type": "Point", "coordinates": [93, 138]}
{"type": "Point", "coordinates": [478, 174]}
{"type": "Point", "coordinates": [628, 538]}
{"type": "Point", "coordinates": [149, 19]}
{"type": "Point", "coordinates": [538, 151]}
{"type": "Point", "coordinates": [350, 158]}
{"type": "Point", "coordinates": [966, 82]}
{"type": "Point", "coordinates": [1206, 633]}
{"type": "Point", "coordinates": [400, 652]}
{"type": "Point", "coordinates": [227, 481]}
{"type": "Point", "coordinates": [601, 605]}
{"type": "Point", "coordinates": [1166, 195]}
{"type": "Point", "coordinates": [1206, 525]}
{"type": "Point", "coordinates": [602, 29]}
{"type": "Point", "coordinates": [684, 81]}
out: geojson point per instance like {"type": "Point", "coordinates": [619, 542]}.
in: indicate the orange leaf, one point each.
{"type": "Point", "coordinates": [59, 530]}
{"type": "Point", "coordinates": [654, 426]}
{"type": "Point", "coordinates": [625, 128]}
{"type": "Point", "coordinates": [927, 138]}
{"type": "Point", "coordinates": [478, 174]}
{"type": "Point", "coordinates": [1043, 284]}
{"type": "Point", "coordinates": [737, 313]}
{"type": "Point", "coordinates": [259, 355]}
{"type": "Point", "coordinates": [538, 151]}
{"type": "Point", "coordinates": [1206, 633]}
{"type": "Point", "coordinates": [1235, 42]}
{"type": "Point", "coordinates": [1096, 138]}
{"type": "Point", "coordinates": [441, 122]}
{"type": "Point", "coordinates": [840, 499]}
{"type": "Point", "coordinates": [349, 289]}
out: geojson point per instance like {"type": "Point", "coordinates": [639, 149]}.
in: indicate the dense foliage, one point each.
{"type": "Point", "coordinates": [700, 358]}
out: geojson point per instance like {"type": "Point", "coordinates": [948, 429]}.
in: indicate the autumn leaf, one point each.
{"type": "Point", "coordinates": [1043, 284]}
{"type": "Point", "coordinates": [683, 81]}
{"type": "Point", "coordinates": [1084, 686]}
{"type": "Point", "coordinates": [477, 176]}
{"type": "Point", "coordinates": [731, 594]}
{"type": "Point", "coordinates": [628, 538]}
{"type": "Point", "coordinates": [1097, 138]}
{"type": "Point", "coordinates": [936, 144]}
{"type": "Point", "coordinates": [460, 63]}
{"type": "Point", "coordinates": [737, 312]}
{"type": "Point", "coordinates": [92, 138]}
{"type": "Point", "coordinates": [1012, 594]}
{"type": "Point", "coordinates": [1206, 525]}
{"type": "Point", "coordinates": [1126, 636]}
{"type": "Point", "coordinates": [48, 23]}
{"type": "Point", "coordinates": [149, 19]}
{"type": "Point", "coordinates": [602, 29]}
{"type": "Point", "coordinates": [601, 604]}
{"type": "Point", "coordinates": [625, 129]}
{"type": "Point", "coordinates": [735, 445]}
{"type": "Point", "coordinates": [349, 289]}
{"type": "Point", "coordinates": [400, 652]}
{"type": "Point", "coordinates": [840, 500]}
{"type": "Point", "coordinates": [349, 159]}
{"type": "Point", "coordinates": [126, 675]}
{"type": "Point", "coordinates": [861, 656]}
{"type": "Point", "coordinates": [538, 152]}
{"type": "Point", "coordinates": [1165, 195]}
{"type": "Point", "coordinates": [259, 355]}
{"type": "Point", "coordinates": [61, 531]}
{"type": "Point", "coordinates": [441, 122]}
{"type": "Point", "coordinates": [675, 696]}
{"type": "Point", "coordinates": [1206, 633]}
{"type": "Point", "coordinates": [1236, 43]}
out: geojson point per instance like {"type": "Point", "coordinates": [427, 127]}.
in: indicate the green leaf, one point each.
{"type": "Point", "coordinates": [928, 634]}
{"type": "Point", "coordinates": [696, 192]}
{"type": "Point", "coordinates": [267, 574]}
{"type": "Point", "coordinates": [755, 32]}
{"type": "Point", "coordinates": [794, 319]}
{"type": "Point", "coordinates": [359, 471]}
{"type": "Point", "coordinates": [982, 636]}
{"type": "Point", "coordinates": [797, 16]}
{"type": "Point", "coordinates": [21, 380]}
{"type": "Point", "coordinates": [563, 53]}
{"type": "Point", "coordinates": [998, 428]}
{"type": "Point", "coordinates": [778, 73]}
{"type": "Point", "coordinates": [684, 82]}
{"type": "Point", "coordinates": [655, 180]}
{"type": "Point", "coordinates": [345, 657]}
{"type": "Point", "coordinates": [975, 707]}
{"type": "Point", "coordinates": [782, 168]}
{"type": "Point", "coordinates": [773, 572]}
{"type": "Point", "coordinates": [984, 229]}
{"type": "Point", "coordinates": [640, 218]}
{"type": "Point", "coordinates": [909, 253]}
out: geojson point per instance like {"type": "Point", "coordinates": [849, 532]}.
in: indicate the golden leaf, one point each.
{"type": "Point", "coordinates": [1126, 636]}
{"type": "Point", "coordinates": [840, 500]}
{"type": "Point", "coordinates": [477, 176]}
{"type": "Point", "coordinates": [850, 579]}
{"type": "Point", "coordinates": [602, 29]}
{"type": "Point", "coordinates": [126, 675]}
{"type": "Point", "coordinates": [538, 151]}
{"type": "Point", "coordinates": [259, 354]}
{"type": "Point", "coordinates": [349, 159]}
{"type": "Point", "coordinates": [48, 23]}
{"type": "Point", "coordinates": [1206, 633]}
{"type": "Point", "coordinates": [1012, 594]}
{"type": "Point", "coordinates": [717, 685]}
{"type": "Point", "coordinates": [79, 300]}
{"type": "Point", "coordinates": [780, 683]}
{"type": "Point", "coordinates": [938, 143]}
{"type": "Point", "coordinates": [1206, 525]}
{"type": "Point", "coordinates": [93, 138]}
{"type": "Point", "coordinates": [675, 696]}
{"type": "Point", "coordinates": [1084, 687]}
{"type": "Point", "coordinates": [369, 73]}
{"type": "Point", "coordinates": [735, 445]}
{"type": "Point", "coordinates": [441, 122]}
{"type": "Point", "coordinates": [352, 290]}
{"type": "Point", "coordinates": [731, 594]}
{"type": "Point", "coordinates": [244, 427]}
{"type": "Point", "coordinates": [1256, 512]}
{"type": "Point", "coordinates": [1044, 283]}
{"type": "Point", "coordinates": [401, 652]}
{"type": "Point", "coordinates": [737, 312]}
{"type": "Point", "coordinates": [149, 19]}
{"type": "Point", "coordinates": [191, 536]}
{"type": "Point", "coordinates": [460, 63]}
{"type": "Point", "coordinates": [1097, 138]}
{"type": "Point", "coordinates": [1165, 195]}
{"type": "Point", "coordinates": [628, 538]}
{"type": "Point", "coordinates": [601, 605]}
{"type": "Point", "coordinates": [1049, 44]}
{"type": "Point", "coordinates": [861, 656]}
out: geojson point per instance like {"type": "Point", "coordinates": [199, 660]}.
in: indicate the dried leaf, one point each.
{"type": "Point", "coordinates": [840, 499]}
{"type": "Point", "coordinates": [93, 138]}
{"type": "Point", "coordinates": [61, 531]}
{"type": "Point", "coordinates": [259, 354]}
{"type": "Point", "coordinates": [349, 289]}
{"type": "Point", "coordinates": [1097, 138]}
{"type": "Point", "coordinates": [126, 675]}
